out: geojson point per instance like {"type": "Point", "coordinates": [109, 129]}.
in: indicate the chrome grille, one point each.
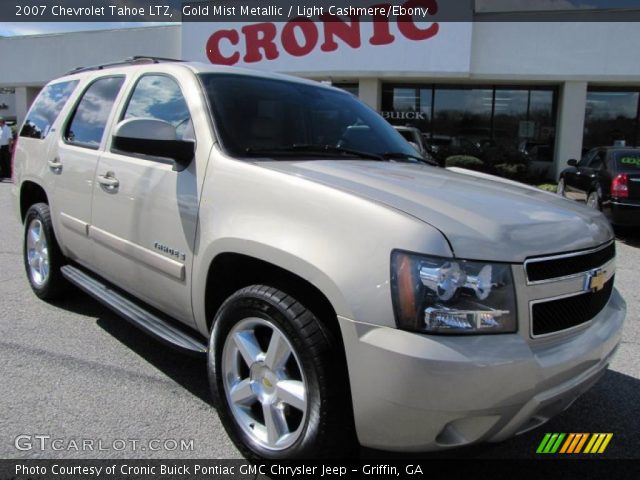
{"type": "Point", "coordinates": [559, 266]}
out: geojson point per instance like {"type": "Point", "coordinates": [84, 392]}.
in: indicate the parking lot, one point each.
{"type": "Point", "coordinates": [74, 371]}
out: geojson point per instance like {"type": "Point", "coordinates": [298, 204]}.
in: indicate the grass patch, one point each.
{"type": "Point", "coordinates": [548, 187]}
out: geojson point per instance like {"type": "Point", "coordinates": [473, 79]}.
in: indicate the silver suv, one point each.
{"type": "Point", "coordinates": [340, 287]}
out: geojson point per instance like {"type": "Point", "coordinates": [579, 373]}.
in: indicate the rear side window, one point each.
{"type": "Point", "coordinates": [46, 109]}
{"type": "Point", "coordinates": [92, 112]}
{"type": "Point", "coordinates": [628, 161]}
{"type": "Point", "coordinates": [160, 97]}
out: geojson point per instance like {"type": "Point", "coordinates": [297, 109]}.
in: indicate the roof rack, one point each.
{"type": "Point", "coordinates": [135, 60]}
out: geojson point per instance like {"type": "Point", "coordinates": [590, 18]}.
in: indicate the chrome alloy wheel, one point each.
{"type": "Point", "coordinates": [37, 253]}
{"type": "Point", "coordinates": [264, 384]}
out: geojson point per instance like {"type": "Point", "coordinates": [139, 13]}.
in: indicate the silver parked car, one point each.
{"type": "Point", "coordinates": [337, 284]}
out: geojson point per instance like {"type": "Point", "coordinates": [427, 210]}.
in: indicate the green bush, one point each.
{"type": "Point", "coordinates": [517, 171]}
{"type": "Point", "coordinates": [548, 187]}
{"type": "Point", "coordinates": [465, 161]}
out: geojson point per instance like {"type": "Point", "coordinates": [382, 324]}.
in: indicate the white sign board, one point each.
{"type": "Point", "coordinates": [315, 45]}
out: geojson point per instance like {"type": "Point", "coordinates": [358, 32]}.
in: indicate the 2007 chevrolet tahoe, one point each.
{"type": "Point", "coordinates": [337, 283]}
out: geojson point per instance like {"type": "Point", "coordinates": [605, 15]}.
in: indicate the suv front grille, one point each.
{"type": "Point", "coordinates": [569, 264]}
{"type": "Point", "coordinates": [556, 315]}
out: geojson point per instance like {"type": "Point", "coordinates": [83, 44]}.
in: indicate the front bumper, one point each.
{"type": "Point", "coordinates": [414, 392]}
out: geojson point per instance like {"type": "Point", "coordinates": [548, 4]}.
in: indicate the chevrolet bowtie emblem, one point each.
{"type": "Point", "coordinates": [595, 280]}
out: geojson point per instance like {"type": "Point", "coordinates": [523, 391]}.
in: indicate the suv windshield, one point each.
{"type": "Point", "coordinates": [271, 118]}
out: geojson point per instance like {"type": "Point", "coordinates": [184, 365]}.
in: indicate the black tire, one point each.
{"type": "Point", "coordinates": [326, 428]}
{"type": "Point", "coordinates": [594, 200]}
{"type": "Point", "coordinates": [53, 284]}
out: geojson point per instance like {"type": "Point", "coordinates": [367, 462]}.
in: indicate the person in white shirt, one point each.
{"type": "Point", "coordinates": [6, 138]}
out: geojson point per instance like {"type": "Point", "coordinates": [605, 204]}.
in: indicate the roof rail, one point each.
{"type": "Point", "coordinates": [135, 60]}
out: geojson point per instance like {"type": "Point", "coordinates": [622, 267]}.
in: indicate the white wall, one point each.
{"type": "Point", "coordinates": [590, 51]}
{"type": "Point", "coordinates": [8, 100]}
{"type": "Point", "coordinates": [34, 60]}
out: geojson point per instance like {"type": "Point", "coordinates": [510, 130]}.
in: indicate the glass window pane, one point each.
{"type": "Point", "coordinates": [160, 97]}
{"type": "Point", "coordinates": [260, 117]}
{"type": "Point", "coordinates": [539, 141]}
{"type": "Point", "coordinates": [510, 125]}
{"type": "Point", "coordinates": [408, 106]}
{"type": "Point", "coordinates": [46, 109]}
{"type": "Point", "coordinates": [90, 118]}
{"type": "Point", "coordinates": [463, 113]}
{"type": "Point", "coordinates": [610, 117]}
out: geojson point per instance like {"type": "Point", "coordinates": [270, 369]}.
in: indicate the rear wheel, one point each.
{"type": "Point", "coordinates": [42, 255]}
{"type": "Point", "coordinates": [561, 188]}
{"type": "Point", "coordinates": [593, 200]}
{"type": "Point", "coordinates": [276, 378]}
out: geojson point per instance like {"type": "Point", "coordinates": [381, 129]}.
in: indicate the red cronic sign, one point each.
{"type": "Point", "coordinates": [300, 36]}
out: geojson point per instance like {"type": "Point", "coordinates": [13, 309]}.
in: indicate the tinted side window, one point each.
{"type": "Point", "coordinates": [46, 109]}
{"type": "Point", "coordinates": [90, 117]}
{"type": "Point", "coordinates": [597, 161]}
{"type": "Point", "coordinates": [584, 161]}
{"type": "Point", "coordinates": [160, 97]}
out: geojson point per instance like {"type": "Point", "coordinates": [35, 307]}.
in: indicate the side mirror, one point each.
{"type": "Point", "coordinates": [154, 138]}
{"type": "Point", "coordinates": [416, 147]}
{"type": "Point", "coordinates": [573, 162]}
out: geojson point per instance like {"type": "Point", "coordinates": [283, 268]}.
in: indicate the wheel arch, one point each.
{"type": "Point", "coordinates": [30, 194]}
{"type": "Point", "coordinates": [230, 271]}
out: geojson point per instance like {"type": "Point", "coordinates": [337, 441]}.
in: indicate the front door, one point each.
{"type": "Point", "coordinates": [145, 211]}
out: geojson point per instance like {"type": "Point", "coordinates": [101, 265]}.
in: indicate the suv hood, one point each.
{"type": "Point", "coordinates": [483, 217]}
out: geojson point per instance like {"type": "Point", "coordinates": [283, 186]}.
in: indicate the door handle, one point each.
{"type": "Point", "coordinates": [109, 181]}
{"type": "Point", "coordinates": [55, 165]}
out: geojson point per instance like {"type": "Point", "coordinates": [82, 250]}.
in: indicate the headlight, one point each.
{"type": "Point", "coordinates": [452, 296]}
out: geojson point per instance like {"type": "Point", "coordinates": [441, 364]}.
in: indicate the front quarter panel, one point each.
{"type": "Point", "coordinates": [337, 241]}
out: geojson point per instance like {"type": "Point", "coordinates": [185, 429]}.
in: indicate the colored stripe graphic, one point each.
{"type": "Point", "coordinates": [574, 443]}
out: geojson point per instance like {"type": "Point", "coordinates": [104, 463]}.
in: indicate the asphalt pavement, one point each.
{"type": "Point", "coordinates": [83, 383]}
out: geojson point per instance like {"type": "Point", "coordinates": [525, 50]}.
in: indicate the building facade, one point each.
{"type": "Point", "coordinates": [550, 89]}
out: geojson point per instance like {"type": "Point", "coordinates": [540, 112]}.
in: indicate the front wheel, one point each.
{"type": "Point", "coordinates": [276, 378]}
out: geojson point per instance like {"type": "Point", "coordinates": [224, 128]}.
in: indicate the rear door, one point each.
{"type": "Point", "coordinates": [73, 163]}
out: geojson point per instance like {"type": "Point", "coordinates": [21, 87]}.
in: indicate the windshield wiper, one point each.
{"type": "Point", "coordinates": [313, 149]}
{"type": "Point", "coordinates": [405, 156]}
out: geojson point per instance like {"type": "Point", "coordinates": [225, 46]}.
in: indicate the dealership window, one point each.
{"type": "Point", "coordinates": [611, 117]}
{"type": "Point", "coordinates": [476, 117]}
{"type": "Point", "coordinates": [411, 105]}
{"type": "Point", "coordinates": [352, 88]}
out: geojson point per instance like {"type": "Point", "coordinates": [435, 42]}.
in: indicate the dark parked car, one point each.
{"type": "Point", "coordinates": [607, 178]}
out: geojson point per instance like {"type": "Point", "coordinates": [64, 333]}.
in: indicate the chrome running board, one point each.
{"type": "Point", "coordinates": [134, 313]}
